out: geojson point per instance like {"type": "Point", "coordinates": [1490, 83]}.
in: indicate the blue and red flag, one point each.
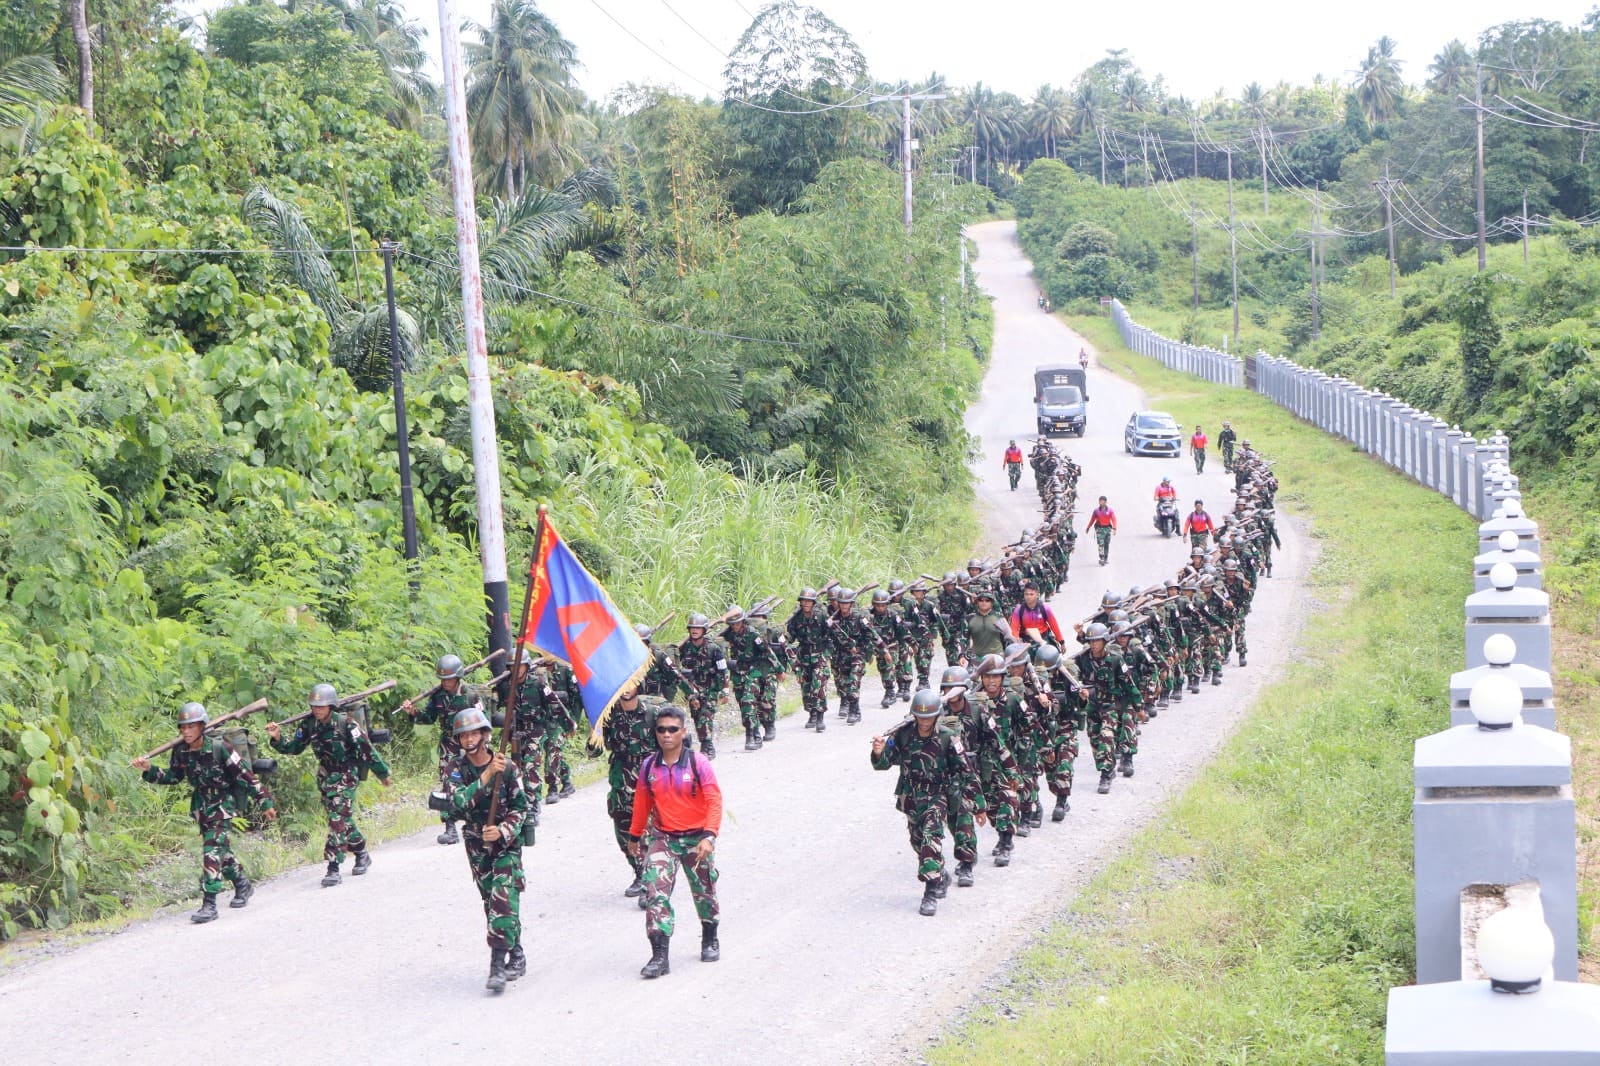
{"type": "Point", "coordinates": [571, 618]}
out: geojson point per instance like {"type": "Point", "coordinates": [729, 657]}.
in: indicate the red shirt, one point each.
{"type": "Point", "coordinates": [1041, 618]}
{"type": "Point", "coordinates": [1013, 455]}
{"type": "Point", "coordinates": [1166, 492]}
{"type": "Point", "coordinates": [1198, 522]}
{"type": "Point", "coordinates": [1103, 516]}
{"type": "Point", "coordinates": [683, 796]}
{"type": "Point", "coordinates": [1198, 440]}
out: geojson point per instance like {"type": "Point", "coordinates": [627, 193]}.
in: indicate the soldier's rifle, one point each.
{"type": "Point", "coordinates": [232, 716]}
{"type": "Point", "coordinates": [669, 616]}
{"type": "Point", "coordinates": [479, 665]}
{"type": "Point", "coordinates": [346, 701]}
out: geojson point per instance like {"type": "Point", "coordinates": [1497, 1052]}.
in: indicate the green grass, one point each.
{"type": "Point", "coordinates": [1264, 917]}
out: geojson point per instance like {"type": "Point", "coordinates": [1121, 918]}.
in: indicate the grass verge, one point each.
{"type": "Point", "coordinates": [1265, 916]}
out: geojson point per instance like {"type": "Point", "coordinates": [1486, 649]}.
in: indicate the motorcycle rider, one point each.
{"type": "Point", "coordinates": [1166, 494]}
{"type": "Point", "coordinates": [1013, 464]}
{"type": "Point", "coordinates": [1083, 358]}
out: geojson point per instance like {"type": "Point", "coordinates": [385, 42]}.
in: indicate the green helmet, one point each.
{"type": "Point", "coordinates": [1096, 631]}
{"type": "Point", "coordinates": [925, 704]}
{"type": "Point", "coordinates": [1119, 615]}
{"type": "Point", "coordinates": [470, 720]}
{"type": "Point", "coordinates": [808, 594]}
{"type": "Point", "coordinates": [847, 595]}
{"type": "Point", "coordinates": [954, 677]}
{"type": "Point", "coordinates": [644, 632]}
{"type": "Point", "coordinates": [761, 610]}
{"type": "Point", "coordinates": [991, 666]}
{"type": "Point", "coordinates": [880, 597]}
{"type": "Point", "coordinates": [697, 621]}
{"type": "Point", "coordinates": [323, 695]}
{"type": "Point", "coordinates": [1120, 630]}
{"type": "Point", "coordinates": [896, 585]}
{"type": "Point", "coordinates": [949, 578]}
{"type": "Point", "coordinates": [1109, 599]}
{"type": "Point", "coordinates": [193, 712]}
{"type": "Point", "coordinates": [734, 613]}
{"type": "Point", "coordinates": [1047, 656]}
{"type": "Point", "coordinates": [450, 666]}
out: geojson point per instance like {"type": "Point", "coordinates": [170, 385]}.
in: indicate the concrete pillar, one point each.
{"type": "Point", "coordinates": [1522, 613]}
{"type": "Point", "coordinates": [1452, 466]}
{"type": "Point", "coordinates": [1441, 456]}
{"type": "Point", "coordinates": [1509, 549]}
{"type": "Point", "coordinates": [1526, 529]}
{"type": "Point", "coordinates": [1459, 1023]}
{"type": "Point", "coordinates": [1492, 808]}
{"type": "Point", "coordinates": [1538, 693]}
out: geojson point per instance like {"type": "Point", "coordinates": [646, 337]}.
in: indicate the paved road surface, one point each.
{"type": "Point", "coordinates": [825, 958]}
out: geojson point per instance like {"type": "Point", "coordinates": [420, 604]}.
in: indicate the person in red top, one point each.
{"type": "Point", "coordinates": [1197, 525]}
{"type": "Point", "coordinates": [1013, 464]}
{"type": "Point", "coordinates": [1197, 448]}
{"type": "Point", "coordinates": [1033, 619]}
{"type": "Point", "coordinates": [1166, 490]}
{"type": "Point", "coordinates": [1103, 520]}
{"type": "Point", "coordinates": [677, 811]}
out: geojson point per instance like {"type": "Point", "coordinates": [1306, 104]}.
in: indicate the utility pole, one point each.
{"type": "Point", "coordinates": [1316, 304]}
{"type": "Point", "coordinates": [1524, 227]}
{"type": "Point", "coordinates": [1233, 248]}
{"type": "Point", "coordinates": [480, 393]}
{"type": "Point", "coordinates": [1483, 236]}
{"type": "Point", "coordinates": [1266, 200]}
{"type": "Point", "coordinates": [1385, 187]}
{"type": "Point", "coordinates": [1144, 147]}
{"type": "Point", "coordinates": [1194, 219]}
{"type": "Point", "coordinates": [905, 139]}
{"type": "Point", "coordinates": [402, 436]}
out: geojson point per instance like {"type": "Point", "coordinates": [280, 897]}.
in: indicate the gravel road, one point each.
{"type": "Point", "coordinates": [824, 957]}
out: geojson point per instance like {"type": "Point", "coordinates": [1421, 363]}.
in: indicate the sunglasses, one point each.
{"type": "Point", "coordinates": [669, 729]}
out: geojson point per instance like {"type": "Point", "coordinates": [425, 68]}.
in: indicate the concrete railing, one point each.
{"type": "Point", "coordinates": [1475, 474]}
{"type": "Point", "coordinates": [1493, 812]}
{"type": "Point", "coordinates": [1193, 359]}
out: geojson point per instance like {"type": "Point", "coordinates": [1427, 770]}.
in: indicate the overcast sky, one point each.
{"type": "Point", "coordinates": [1022, 44]}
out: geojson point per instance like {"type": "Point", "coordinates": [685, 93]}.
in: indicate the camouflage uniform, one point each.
{"type": "Point", "coordinates": [555, 716]}
{"type": "Point", "coordinates": [853, 636]}
{"type": "Point", "coordinates": [220, 779]}
{"type": "Point", "coordinates": [705, 664]}
{"type": "Point", "coordinates": [629, 737]}
{"type": "Point", "coordinates": [922, 625]}
{"type": "Point", "coordinates": [442, 707]}
{"type": "Point", "coordinates": [936, 777]}
{"type": "Point", "coordinates": [1024, 729]}
{"type": "Point", "coordinates": [893, 650]}
{"type": "Point", "coordinates": [1060, 747]}
{"type": "Point", "coordinates": [343, 752]}
{"type": "Point", "coordinates": [527, 738]}
{"type": "Point", "coordinates": [749, 663]}
{"type": "Point", "coordinates": [997, 772]}
{"type": "Point", "coordinates": [496, 867]}
{"type": "Point", "coordinates": [1242, 595]}
{"type": "Point", "coordinates": [660, 679]}
{"type": "Point", "coordinates": [777, 664]}
{"type": "Point", "coordinates": [1110, 719]}
{"type": "Point", "coordinates": [953, 607]}
{"type": "Point", "coordinates": [812, 642]}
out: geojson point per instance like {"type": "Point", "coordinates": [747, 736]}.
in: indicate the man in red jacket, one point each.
{"type": "Point", "coordinates": [677, 811]}
{"type": "Point", "coordinates": [1013, 464]}
{"type": "Point", "coordinates": [1197, 525]}
{"type": "Point", "coordinates": [1197, 448]}
{"type": "Point", "coordinates": [1103, 521]}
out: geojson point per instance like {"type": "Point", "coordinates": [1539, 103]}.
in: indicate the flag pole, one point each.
{"type": "Point", "coordinates": [508, 736]}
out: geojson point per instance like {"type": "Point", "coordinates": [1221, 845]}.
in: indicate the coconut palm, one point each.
{"type": "Point", "coordinates": [1050, 116]}
{"type": "Point", "coordinates": [383, 28]}
{"type": "Point", "coordinates": [983, 111]}
{"type": "Point", "coordinates": [520, 98]}
{"type": "Point", "coordinates": [1452, 70]}
{"type": "Point", "coordinates": [29, 84]}
{"type": "Point", "coordinates": [1378, 84]}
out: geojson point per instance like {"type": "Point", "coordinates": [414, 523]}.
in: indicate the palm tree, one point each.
{"type": "Point", "coordinates": [80, 36]}
{"type": "Point", "coordinates": [1088, 115]}
{"type": "Point", "coordinates": [520, 98]}
{"type": "Point", "coordinates": [28, 84]}
{"type": "Point", "coordinates": [981, 110]}
{"type": "Point", "coordinates": [1452, 70]}
{"type": "Point", "coordinates": [1050, 116]}
{"type": "Point", "coordinates": [1133, 94]}
{"type": "Point", "coordinates": [383, 28]}
{"type": "Point", "coordinates": [1378, 85]}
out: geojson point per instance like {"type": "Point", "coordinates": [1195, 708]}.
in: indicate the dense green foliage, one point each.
{"type": "Point", "coordinates": [198, 487]}
{"type": "Point", "coordinates": [1266, 915]}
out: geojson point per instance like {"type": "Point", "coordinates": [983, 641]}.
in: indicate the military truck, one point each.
{"type": "Point", "coordinates": [1060, 398]}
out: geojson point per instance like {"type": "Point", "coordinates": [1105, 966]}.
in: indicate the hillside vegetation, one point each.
{"type": "Point", "coordinates": [198, 482]}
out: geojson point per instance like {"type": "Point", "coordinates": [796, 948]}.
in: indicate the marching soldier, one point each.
{"type": "Point", "coordinates": [705, 667]}
{"type": "Point", "coordinates": [779, 660]}
{"type": "Point", "coordinates": [1060, 749]}
{"type": "Point", "coordinates": [853, 636]}
{"type": "Point", "coordinates": [447, 701]}
{"type": "Point", "coordinates": [987, 631]}
{"type": "Point", "coordinates": [952, 607]}
{"type": "Point", "coordinates": [748, 662]}
{"type": "Point", "coordinates": [662, 678]}
{"type": "Point", "coordinates": [922, 623]}
{"type": "Point", "coordinates": [1225, 441]}
{"type": "Point", "coordinates": [892, 639]}
{"type": "Point", "coordinates": [628, 733]}
{"type": "Point", "coordinates": [936, 776]}
{"type": "Point", "coordinates": [217, 776]}
{"type": "Point", "coordinates": [998, 773]}
{"type": "Point", "coordinates": [482, 781]}
{"type": "Point", "coordinates": [528, 731]}
{"type": "Point", "coordinates": [343, 753]}
{"type": "Point", "coordinates": [812, 641]}
{"type": "Point", "coordinates": [1110, 689]}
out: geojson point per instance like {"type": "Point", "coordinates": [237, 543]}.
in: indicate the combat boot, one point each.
{"type": "Point", "coordinates": [1021, 829]}
{"type": "Point", "coordinates": [1150, 710]}
{"type": "Point", "coordinates": [207, 911]}
{"type": "Point", "coordinates": [516, 964]}
{"type": "Point", "coordinates": [659, 964]}
{"type": "Point", "coordinates": [1062, 807]}
{"type": "Point", "coordinates": [811, 719]}
{"type": "Point", "coordinates": [552, 795]}
{"type": "Point", "coordinates": [749, 739]}
{"type": "Point", "coordinates": [497, 971]}
{"type": "Point", "coordinates": [1105, 782]}
{"type": "Point", "coordinates": [567, 790]}
{"type": "Point", "coordinates": [1194, 685]}
{"type": "Point", "coordinates": [1176, 696]}
{"type": "Point", "coordinates": [930, 899]}
{"type": "Point", "coordinates": [941, 887]}
{"type": "Point", "coordinates": [449, 835]}
{"type": "Point", "coordinates": [1162, 702]}
{"type": "Point", "coordinates": [710, 950]}
{"type": "Point", "coordinates": [635, 889]}
{"type": "Point", "coordinates": [1216, 677]}
{"type": "Point", "coordinates": [332, 877]}
{"type": "Point", "coordinates": [1127, 766]}
{"type": "Point", "coordinates": [363, 863]}
{"type": "Point", "coordinates": [964, 875]}
{"type": "Point", "coordinates": [1037, 819]}
{"type": "Point", "coordinates": [709, 748]}
{"type": "Point", "coordinates": [822, 721]}
{"type": "Point", "coordinates": [769, 732]}
{"type": "Point", "coordinates": [242, 891]}
{"type": "Point", "coordinates": [1241, 658]}
{"type": "Point", "coordinates": [889, 695]}
{"type": "Point", "coordinates": [855, 712]}
{"type": "Point", "coordinates": [1002, 854]}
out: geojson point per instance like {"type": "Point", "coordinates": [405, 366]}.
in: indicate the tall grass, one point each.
{"type": "Point", "coordinates": [1264, 917]}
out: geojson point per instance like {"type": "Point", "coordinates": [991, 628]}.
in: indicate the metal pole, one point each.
{"type": "Point", "coordinates": [1483, 239]}
{"type": "Point", "coordinates": [1386, 186]}
{"type": "Point", "coordinates": [402, 435]}
{"type": "Point", "coordinates": [480, 395]}
{"type": "Point", "coordinates": [1524, 227]}
{"type": "Point", "coordinates": [905, 154]}
{"type": "Point", "coordinates": [1233, 245]}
